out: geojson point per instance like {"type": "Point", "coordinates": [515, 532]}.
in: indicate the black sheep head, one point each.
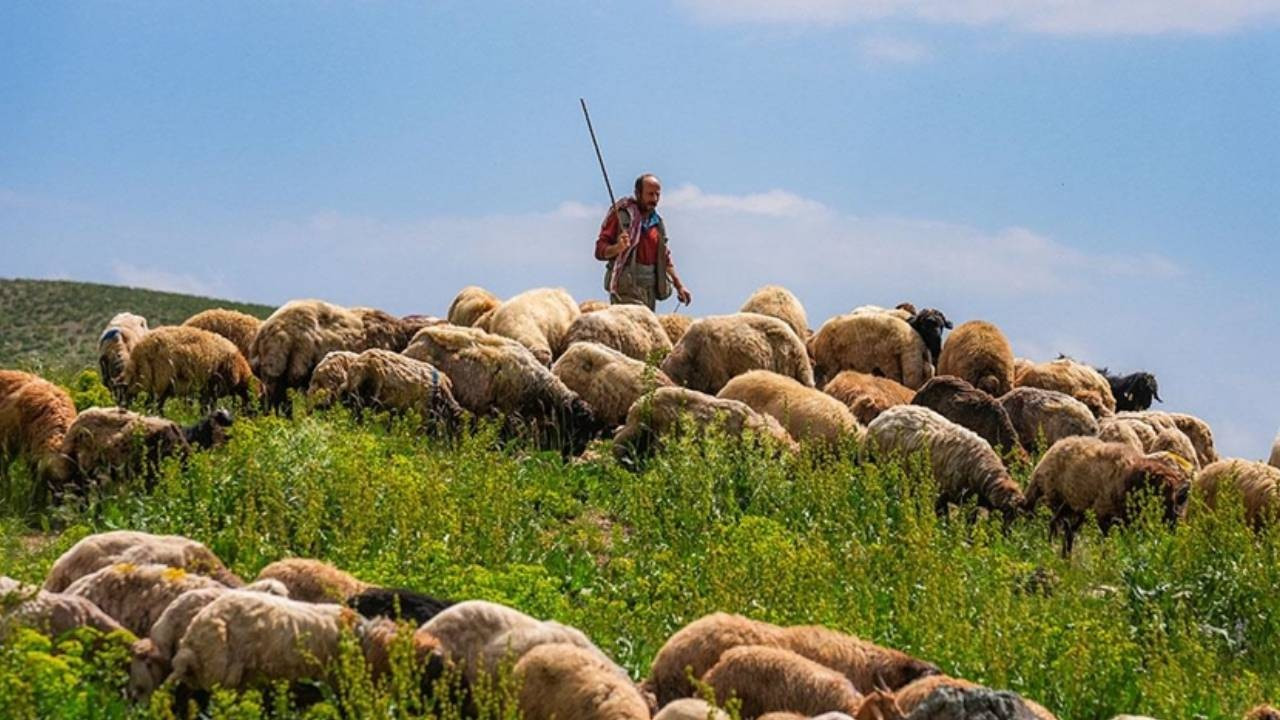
{"type": "Point", "coordinates": [210, 431]}
{"type": "Point", "coordinates": [929, 324]}
{"type": "Point", "coordinates": [1137, 391]}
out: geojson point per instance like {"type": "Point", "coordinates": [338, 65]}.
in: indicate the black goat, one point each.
{"type": "Point", "coordinates": [1133, 391]}
{"type": "Point", "coordinates": [929, 324]}
{"type": "Point", "coordinates": [397, 604]}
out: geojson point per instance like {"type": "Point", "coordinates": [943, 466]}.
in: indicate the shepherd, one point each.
{"type": "Point", "coordinates": [633, 243]}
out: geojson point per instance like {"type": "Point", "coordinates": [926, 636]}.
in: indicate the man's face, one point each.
{"type": "Point", "coordinates": [650, 192]}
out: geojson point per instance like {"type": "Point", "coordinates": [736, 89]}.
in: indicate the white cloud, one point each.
{"type": "Point", "coordinates": [1062, 17]}
{"type": "Point", "coordinates": [881, 49]}
{"type": "Point", "coordinates": [157, 279]}
{"type": "Point", "coordinates": [774, 203]}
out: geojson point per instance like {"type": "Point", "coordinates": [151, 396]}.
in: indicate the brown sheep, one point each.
{"type": "Point", "coordinates": [806, 413]}
{"type": "Point", "coordinates": [95, 552]}
{"type": "Point", "coordinates": [116, 342]}
{"type": "Point", "coordinates": [675, 325]}
{"type": "Point", "coordinates": [607, 380]}
{"type": "Point", "coordinates": [867, 395]}
{"type": "Point", "coordinates": [979, 353]}
{"type": "Point", "coordinates": [188, 362]}
{"type": "Point", "coordinates": [385, 380]}
{"type": "Point", "coordinates": [539, 319]}
{"type": "Point", "coordinates": [50, 613]}
{"type": "Point", "coordinates": [1055, 415]}
{"type": "Point", "coordinates": [871, 342]}
{"type": "Point", "coordinates": [715, 349]}
{"type": "Point", "coordinates": [105, 444]}
{"type": "Point", "coordinates": [1075, 379]}
{"type": "Point", "coordinates": [961, 403]}
{"type": "Point", "coordinates": [1145, 438]}
{"type": "Point", "coordinates": [136, 595]}
{"type": "Point", "coordinates": [313, 581]}
{"type": "Point", "coordinates": [777, 301]}
{"type": "Point", "coordinates": [238, 327]}
{"type": "Point", "coordinates": [1196, 430]}
{"type": "Point", "coordinates": [329, 377]}
{"type": "Point", "coordinates": [590, 306]}
{"type": "Point", "coordinates": [470, 303]}
{"type": "Point", "coordinates": [1079, 475]}
{"type": "Point", "coordinates": [665, 410]}
{"type": "Point", "coordinates": [771, 678]}
{"type": "Point", "coordinates": [632, 330]}
{"type": "Point", "coordinates": [565, 681]}
{"type": "Point", "coordinates": [1258, 485]}
{"type": "Point", "coordinates": [35, 415]}
{"type": "Point", "coordinates": [385, 331]}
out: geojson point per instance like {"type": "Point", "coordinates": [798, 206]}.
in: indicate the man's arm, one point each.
{"type": "Point", "coordinates": [682, 293]}
{"type": "Point", "coordinates": [611, 243]}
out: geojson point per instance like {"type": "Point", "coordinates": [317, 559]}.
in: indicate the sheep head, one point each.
{"type": "Point", "coordinates": [929, 324]}
{"type": "Point", "coordinates": [148, 668]}
{"type": "Point", "coordinates": [210, 431]}
{"type": "Point", "coordinates": [1149, 474]}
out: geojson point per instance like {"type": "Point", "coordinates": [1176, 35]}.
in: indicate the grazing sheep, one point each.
{"type": "Point", "coordinates": [329, 377]}
{"type": "Point", "coordinates": [566, 681]}
{"type": "Point", "coordinates": [1274, 460]}
{"type": "Point", "coordinates": [632, 330]}
{"type": "Point", "coordinates": [138, 548]}
{"type": "Point", "coordinates": [385, 380]}
{"type": "Point", "coordinates": [675, 325]}
{"type": "Point", "coordinates": [871, 342]}
{"type": "Point", "coordinates": [590, 306]}
{"type": "Point", "coordinates": [313, 581]}
{"type": "Point", "coordinates": [1134, 391]}
{"type": "Point", "coordinates": [664, 411]}
{"type": "Point", "coordinates": [188, 362]}
{"type": "Point", "coordinates": [235, 326]}
{"type": "Point", "coordinates": [470, 303]}
{"type": "Point", "coordinates": [867, 395]}
{"type": "Point", "coordinates": [867, 665]}
{"type": "Point", "coordinates": [771, 678]}
{"type": "Point", "coordinates": [1079, 475]}
{"type": "Point", "coordinates": [716, 349]}
{"type": "Point", "coordinates": [1075, 379]}
{"type": "Point", "coordinates": [690, 709]}
{"type": "Point", "coordinates": [967, 406]}
{"type": "Point", "coordinates": [609, 381]}
{"type": "Point", "coordinates": [963, 464]}
{"type": "Point", "coordinates": [777, 301]}
{"type": "Point", "coordinates": [538, 319]}
{"type": "Point", "coordinates": [1196, 430]}
{"type": "Point", "coordinates": [35, 415]}
{"type": "Point", "coordinates": [114, 345]}
{"type": "Point", "coordinates": [397, 604]}
{"type": "Point", "coordinates": [1055, 415]}
{"type": "Point", "coordinates": [915, 695]}
{"type": "Point", "coordinates": [467, 629]}
{"type": "Point", "coordinates": [50, 613]}
{"type": "Point", "coordinates": [104, 444]}
{"type": "Point", "coordinates": [805, 413]}
{"type": "Point", "coordinates": [136, 595]}
{"type": "Point", "coordinates": [377, 640]}
{"type": "Point", "coordinates": [1257, 484]}
{"type": "Point", "coordinates": [980, 354]}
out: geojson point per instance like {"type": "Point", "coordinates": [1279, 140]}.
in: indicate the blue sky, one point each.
{"type": "Point", "coordinates": [1098, 178]}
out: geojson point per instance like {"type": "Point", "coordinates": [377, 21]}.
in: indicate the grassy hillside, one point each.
{"type": "Point", "coordinates": [55, 324]}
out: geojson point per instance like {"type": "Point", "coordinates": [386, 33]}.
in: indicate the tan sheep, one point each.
{"type": "Point", "coordinates": [777, 301]}
{"type": "Point", "coordinates": [313, 581]}
{"type": "Point", "coordinates": [539, 319]}
{"type": "Point", "coordinates": [470, 303]}
{"type": "Point", "coordinates": [871, 342]}
{"type": "Point", "coordinates": [1075, 379]}
{"type": "Point", "coordinates": [979, 353]}
{"type": "Point", "coordinates": [566, 681]}
{"type": "Point", "coordinates": [105, 444]}
{"type": "Point", "coordinates": [805, 413]}
{"type": "Point", "coordinates": [632, 330]}
{"type": "Point", "coordinates": [238, 327]}
{"type": "Point", "coordinates": [1080, 475]}
{"type": "Point", "coordinates": [482, 322]}
{"type": "Point", "coordinates": [1055, 415]}
{"type": "Point", "coordinates": [114, 345]}
{"type": "Point", "coordinates": [675, 325]}
{"type": "Point", "coordinates": [1131, 431]}
{"type": "Point", "coordinates": [867, 395]}
{"type": "Point", "coordinates": [35, 415]}
{"type": "Point", "coordinates": [136, 595]}
{"type": "Point", "coordinates": [187, 362]}
{"type": "Point", "coordinates": [329, 377]}
{"type": "Point", "coordinates": [50, 613]}
{"type": "Point", "coordinates": [385, 380]}
{"type": "Point", "coordinates": [716, 349]}
{"type": "Point", "coordinates": [666, 409]}
{"type": "Point", "coordinates": [771, 678]}
{"type": "Point", "coordinates": [127, 546]}
{"type": "Point", "coordinates": [590, 306]}
{"type": "Point", "coordinates": [609, 381]}
{"type": "Point", "coordinates": [690, 709]}
{"type": "Point", "coordinates": [1196, 430]}
{"type": "Point", "coordinates": [1257, 484]}
{"type": "Point", "coordinates": [963, 464]}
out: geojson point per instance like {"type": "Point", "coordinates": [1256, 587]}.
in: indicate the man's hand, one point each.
{"type": "Point", "coordinates": [624, 241]}
{"type": "Point", "coordinates": [683, 295]}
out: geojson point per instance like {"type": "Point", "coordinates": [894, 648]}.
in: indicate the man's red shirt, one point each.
{"type": "Point", "coordinates": [646, 252]}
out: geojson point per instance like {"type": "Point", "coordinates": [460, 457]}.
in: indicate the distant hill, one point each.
{"type": "Point", "coordinates": [55, 324]}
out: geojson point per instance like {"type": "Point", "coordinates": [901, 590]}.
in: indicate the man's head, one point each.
{"type": "Point", "coordinates": [648, 191]}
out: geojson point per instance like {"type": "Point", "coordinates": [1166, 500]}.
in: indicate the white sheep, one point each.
{"type": "Point", "coordinates": [136, 595]}
{"type": "Point", "coordinates": [51, 613]}
{"type": "Point", "coordinates": [609, 381]}
{"type": "Point", "coordinates": [632, 330]}
{"type": "Point", "coordinates": [715, 349]}
{"type": "Point", "coordinates": [539, 319]}
{"type": "Point", "coordinates": [95, 552]}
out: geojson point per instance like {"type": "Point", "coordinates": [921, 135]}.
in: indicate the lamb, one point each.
{"type": "Point", "coordinates": [632, 330]}
{"type": "Point", "coordinates": [963, 464]}
{"type": "Point", "coordinates": [313, 581]}
{"type": "Point", "coordinates": [188, 362]}
{"type": "Point", "coordinates": [675, 325]}
{"type": "Point", "coordinates": [664, 411]}
{"type": "Point", "coordinates": [590, 306]}
{"type": "Point", "coordinates": [1257, 484]}
{"type": "Point", "coordinates": [50, 613]}
{"type": "Point", "coordinates": [1055, 415]}
{"type": "Point", "coordinates": [136, 595]}
{"type": "Point", "coordinates": [238, 327]}
{"type": "Point", "coordinates": [1134, 391]}
{"type": "Point", "coordinates": [104, 444]}
{"type": "Point", "coordinates": [329, 377]}
{"type": "Point", "coordinates": [875, 343]}
{"type": "Point", "coordinates": [538, 319]}
{"type": "Point", "coordinates": [690, 709]}
{"type": "Point", "coordinates": [772, 678]}
{"type": "Point", "coordinates": [777, 301]}
{"type": "Point", "coordinates": [116, 342]}
{"type": "Point", "coordinates": [715, 349]}
{"type": "Point", "coordinates": [35, 415]}
{"type": "Point", "coordinates": [1083, 474]}
{"type": "Point", "coordinates": [867, 395]}
{"type": "Point", "coordinates": [138, 548]}
{"type": "Point", "coordinates": [980, 354]}
{"type": "Point", "coordinates": [384, 380]}
{"type": "Point", "coordinates": [566, 681]}
{"type": "Point", "coordinates": [967, 406]}
{"type": "Point", "coordinates": [609, 381]}
{"type": "Point", "coordinates": [397, 604]}
{"type": "Point", "coordinates": [1075, 379]}
{"type": "Point", "coordinates": [470, 303]}
{"type": "Point", "coordinates": [1196, 430]}
{"type": "Point", "coordinates": [805, 413]}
